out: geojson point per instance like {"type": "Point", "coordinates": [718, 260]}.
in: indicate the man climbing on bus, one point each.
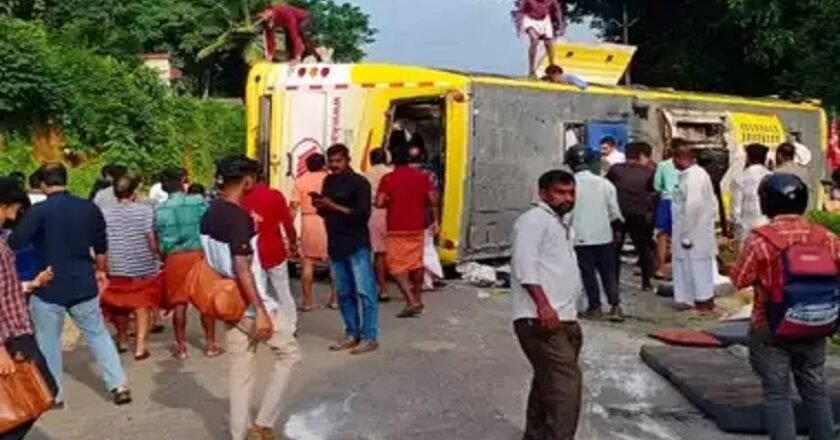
{"type": "Point", "coordinates": [296, 24]}
{"type": "Point", "coordinates": [541, 20]}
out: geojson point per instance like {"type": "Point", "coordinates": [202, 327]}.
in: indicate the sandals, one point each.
{"type": "Point", "coordinates": [306, 309]}
{"type": "Point", "coordinates": [142, 356]}
{"type": "Point", "coordinates": [384, 298]}
{"type": "Point", "coordinates": [410, 312]}
{"type": "Point", "coordinates": [179, 353]}
{"type": "Point", "coordinates": [214, 352]}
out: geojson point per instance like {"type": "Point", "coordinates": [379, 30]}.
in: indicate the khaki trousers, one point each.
{"type": "Point", "coordinates": [243, 372]}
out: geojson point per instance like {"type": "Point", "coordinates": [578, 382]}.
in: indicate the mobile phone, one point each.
{"type": "Point", "coordinates": [315, 195]}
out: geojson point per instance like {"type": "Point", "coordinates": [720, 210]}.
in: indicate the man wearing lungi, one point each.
{"type": "Point", "coordinates": [407, 193]}
{"type": "Point", "coordinates": [178, 228]}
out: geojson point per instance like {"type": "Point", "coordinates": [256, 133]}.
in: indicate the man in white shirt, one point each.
{"type": "Point", "coordinates": [544, 291]}
{"type": "Point", "coordinates": [610, 154]}
{"type": "Point", "coordinates": [594, 215]}
{"type": "Point", "coordinates": [694, 247]}
{"type": "Point", "coordinates": [746, 207]}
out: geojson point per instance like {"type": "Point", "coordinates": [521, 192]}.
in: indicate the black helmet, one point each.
{"type": "Point", "coordinates": [782, 193]}
{"type": "Point", "coordinates": [577, 158]}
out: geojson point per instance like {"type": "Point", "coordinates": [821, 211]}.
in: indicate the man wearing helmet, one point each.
{"type": "Point", "coordinates": [784, 198]}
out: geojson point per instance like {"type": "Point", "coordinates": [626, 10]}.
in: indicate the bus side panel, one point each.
{"type": "Point", "coordinates": [517, 135]}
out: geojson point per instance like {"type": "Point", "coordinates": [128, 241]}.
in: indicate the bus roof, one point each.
{"type": "Point", "coordinates": [374, 73]}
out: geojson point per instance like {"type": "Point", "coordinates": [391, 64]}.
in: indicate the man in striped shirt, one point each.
{"type": "Point", "coordinates": [134, 281]}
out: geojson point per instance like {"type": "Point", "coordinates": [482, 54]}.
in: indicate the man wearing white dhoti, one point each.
{"type": "Point", "coordinates": [694, 247]}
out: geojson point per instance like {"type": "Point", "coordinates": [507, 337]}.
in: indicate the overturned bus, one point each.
{"type": "Point", "coordinates": [492, 136]}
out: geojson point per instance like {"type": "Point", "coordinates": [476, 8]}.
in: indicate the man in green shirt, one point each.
{"type": "Point", "coordinates": [664, 183]}
{"type": "Point", "coordinates": [178, 227]}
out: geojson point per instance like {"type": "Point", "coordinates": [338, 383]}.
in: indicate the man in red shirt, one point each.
{"type": "Point", "coordinates": [271, 214]}
{"type": "Point", "coordinates": [406, 193]}
{"type": "Point", "coordinates": [296, 25]}
{"type": "Point", "coordinates": [784, 198]}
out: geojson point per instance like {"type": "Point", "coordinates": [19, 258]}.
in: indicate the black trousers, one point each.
{"type": "Point", "coordinates": [556, 389]}
{"type": "Point", "coordinates": [27, 347]}
{"type": "Point", "coordinates": [600, 259]}
{"type": "Point", "coordinates": [640, 229]}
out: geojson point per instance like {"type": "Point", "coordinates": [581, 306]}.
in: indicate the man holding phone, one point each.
{"type": "Point", "coordinates": [545, 287]}
{"type": "Point", "coordinates": [345, 205]}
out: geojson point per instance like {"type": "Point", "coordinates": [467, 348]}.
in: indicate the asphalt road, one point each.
{"type": "Point", "coordinates": [454, 373]}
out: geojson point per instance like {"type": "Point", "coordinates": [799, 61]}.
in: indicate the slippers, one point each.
{"type": "Point", "coordinates": [157, 329]}
{"type": "Point", "coordinates": [384, 298]}
{"type": "Point", "coordinates": [332, 306]}
{"type": "Point", "coordinates": [215, 352]}
{"type": "Point", "coordinates": [142, 356]}
{"type": "Point", "coordinates": [410, 312]}
{"type": "Point", "coordinates": [121, 349]}
{"type": "Point", "coordinates": [306, 309]}
{"type": "Point", "coordinates": [180, 354]}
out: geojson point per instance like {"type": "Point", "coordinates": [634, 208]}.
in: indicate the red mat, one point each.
{"type": "Point", "coordinates": [685, 338]}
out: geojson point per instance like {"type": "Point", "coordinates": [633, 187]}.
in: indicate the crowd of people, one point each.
{"type": "Point", "coordinates": [125, 261]}
{"type": "Point", "coordinates": [580, 223]}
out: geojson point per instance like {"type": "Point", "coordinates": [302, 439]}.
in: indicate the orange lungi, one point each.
{"type": "Point", "coordinates": [124, 294]}
{"type": "Point", "coordinates": [313, 237]}
{"type": "Point", "coordinates": [176, 267]}
{"type": "Point", "coordinates": [404, 251]}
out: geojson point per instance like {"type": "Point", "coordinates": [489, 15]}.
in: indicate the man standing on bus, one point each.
{"type": "Point", "coordinates": [296, 25]}
{"type": "Point", "coordinates": [541, 20]}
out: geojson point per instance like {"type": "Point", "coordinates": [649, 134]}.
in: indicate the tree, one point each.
{"type": "Point", "coordinates": [183, 28]}
{"type": "Point", "coordinates": [750, 47]}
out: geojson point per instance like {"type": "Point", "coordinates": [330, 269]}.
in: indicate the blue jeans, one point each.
{"type": "Point", "coordinates": [49, 324]}
{"type": "Point", "coordinates": [355, 283]}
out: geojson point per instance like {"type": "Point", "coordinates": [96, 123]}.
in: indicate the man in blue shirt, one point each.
{"type": "Point", "coordinates": [64, 229]}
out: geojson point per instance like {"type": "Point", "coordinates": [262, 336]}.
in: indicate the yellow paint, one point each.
{"type": "Point", "coordinates": [369, 120]}
{"type": "Point", "coordinates": [753, 128]}
{"type": "Point", "coordinates": [598, 63]}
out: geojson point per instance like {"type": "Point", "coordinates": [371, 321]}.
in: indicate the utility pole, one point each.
{"type": "Point", "coordinates": [626, 23]}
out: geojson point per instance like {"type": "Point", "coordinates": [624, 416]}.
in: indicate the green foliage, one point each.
{"type": "Point", "coordinates": [30, 85]}
{"type": "Point", "coordinates": [223, 31]}
{"type": "Point", "coordinates": [751, 47]}
{"type": "Point", "coordinates": [830, 220]}
{"type": "Point", "coordinates": [343, 27]}
{"type": "Point", "coordinates": [109, 111]}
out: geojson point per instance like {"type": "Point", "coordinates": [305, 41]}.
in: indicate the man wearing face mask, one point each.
{"type": "Point", "coordinates": [545, 286]}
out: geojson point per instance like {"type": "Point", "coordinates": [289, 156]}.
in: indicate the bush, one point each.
{"type": "Point", "coordinates": [830, 220]}
{"type": "Point", "coordinates": [108, 111]}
